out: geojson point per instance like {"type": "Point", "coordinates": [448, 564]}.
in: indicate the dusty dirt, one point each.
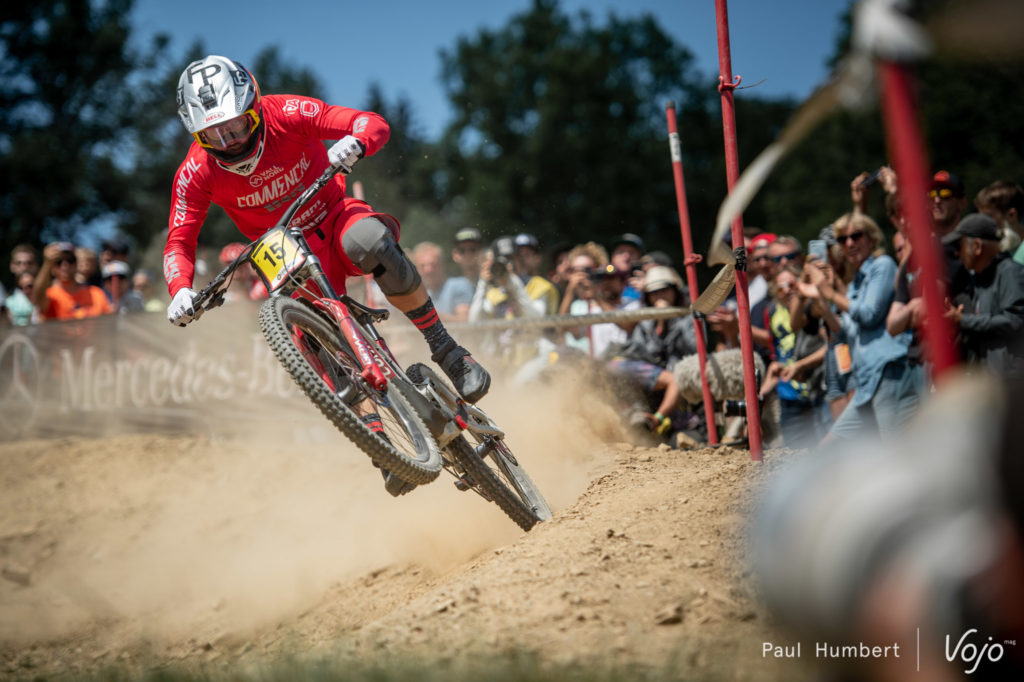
{"type": "Point", "coordinates": [149, 550]}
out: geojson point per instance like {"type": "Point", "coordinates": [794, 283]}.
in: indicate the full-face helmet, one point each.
{"type": "Point", "coordinates": [219, 104]}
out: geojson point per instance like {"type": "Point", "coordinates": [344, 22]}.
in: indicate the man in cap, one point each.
{"type": "Point", "coordinates": [527, 260]}
{"type": "Point", "coordinates": [56, 293]}
{"type": "Point", "coordinates": [988, 296]}
{"type": "Point", "coordinates": [948, 201]}
{"type": "Point", "coordinates": [457, 293]}
{"type": "Point", "coordinates": [624, 255]}
{"type": "Point", "coordinates": [117, 284]}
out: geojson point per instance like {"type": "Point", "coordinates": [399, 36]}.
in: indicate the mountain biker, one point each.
{"type": "Point", "coordinates": [253, 155]}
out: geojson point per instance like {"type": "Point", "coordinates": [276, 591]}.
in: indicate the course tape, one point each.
{"type": "Point", "coordinates": [566, 321]}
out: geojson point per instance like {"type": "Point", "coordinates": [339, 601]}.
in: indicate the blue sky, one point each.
{"type": "Point", "coordinates": [396, 43]}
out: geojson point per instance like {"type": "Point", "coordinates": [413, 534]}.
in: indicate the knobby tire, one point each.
{"type": "Point", "coordinates": [499, 478]}
{"type": "Point", "coordinates": [419, 460]}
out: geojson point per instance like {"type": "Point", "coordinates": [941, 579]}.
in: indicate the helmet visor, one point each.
{"type": "Point", "coordinates": [232, 134]}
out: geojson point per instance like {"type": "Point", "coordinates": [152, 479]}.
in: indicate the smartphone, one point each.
{"type": "Point", "coordinates": [871, 179]}
{"type": "Point", "coordinates": [818, 249]}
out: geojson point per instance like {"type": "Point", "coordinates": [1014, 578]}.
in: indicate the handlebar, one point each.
{"type": "Point", "coordinates": [212, 295]}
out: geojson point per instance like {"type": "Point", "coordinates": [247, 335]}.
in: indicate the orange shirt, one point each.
{"type": "Point", "coordinates": [86, 301]}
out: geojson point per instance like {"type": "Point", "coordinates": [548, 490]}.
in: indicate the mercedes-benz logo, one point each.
{"type": "Point", "coordinates": [20, 385]}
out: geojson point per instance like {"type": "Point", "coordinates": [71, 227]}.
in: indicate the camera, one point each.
{"type": "Point", "coordinates": [734, 408]}
{"type": "Point", "coordinates": [738, 408]}
{"type": "Point", "coordinates": [503, 250]}
{"type": "Point", "coordinates": [601, 274]}
{"type": "Point", "coordinates": [501, 266]}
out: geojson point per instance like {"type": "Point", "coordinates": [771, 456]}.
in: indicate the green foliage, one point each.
{"type": "Point", "coordinates": [559, 126]}
{"type": "Point", "coordinates": [559, 130]}
{"type": "Point", "coordinates": [66, 102]}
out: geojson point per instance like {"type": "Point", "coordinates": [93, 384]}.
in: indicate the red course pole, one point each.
{"type": "Point", "coordinates": [910, 161]}
{"type": "Point", "coordinates": [691, 267]}
{"type": "Point", "coordinates": [732, 171]}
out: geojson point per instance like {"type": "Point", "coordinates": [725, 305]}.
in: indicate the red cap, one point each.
{"type": "Point", "coordinates": [231, 252]}
{"type": "Point", "coordinates": [765, 237]}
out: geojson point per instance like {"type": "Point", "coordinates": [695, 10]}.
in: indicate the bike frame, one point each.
{"type": "Point", "coordinates": [378, 364]}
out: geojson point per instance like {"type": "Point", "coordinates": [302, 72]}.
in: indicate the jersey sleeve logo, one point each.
{"type": "Point", "coordinates": [360, 124]}
{"type": "Point", "coordinates": [305, 107]}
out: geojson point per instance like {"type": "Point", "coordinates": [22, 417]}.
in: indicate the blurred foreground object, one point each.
{"type": "Point", "coordinates": [918, 542]}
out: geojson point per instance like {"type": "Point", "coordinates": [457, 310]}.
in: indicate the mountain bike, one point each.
{"type": "Point", "coordinates": [329, 344]}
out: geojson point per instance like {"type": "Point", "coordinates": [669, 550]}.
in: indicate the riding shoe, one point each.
{"type": "Point", "coordinates": [396, 485]}
{"type": "Point", "coordinates": [470, 379]}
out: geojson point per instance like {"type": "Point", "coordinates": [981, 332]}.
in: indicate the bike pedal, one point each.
{"type": "Point", "coordinates": [463, 484]}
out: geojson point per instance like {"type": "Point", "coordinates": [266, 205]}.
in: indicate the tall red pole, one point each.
{"type": "Point", "coordinates": [732, 172]}
{"type": "Point", "coordinates": [910, 160]}
{"type": "Point", "coordinates": [691, 267]}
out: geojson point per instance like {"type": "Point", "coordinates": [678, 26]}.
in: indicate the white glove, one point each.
{"type": "Point", "coordinates": [346, 152]}
{"type": "Point", "coordinates": [181, 311]}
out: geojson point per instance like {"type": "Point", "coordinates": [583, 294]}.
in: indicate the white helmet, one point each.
{"type": "Point", "coordinates": [219, 104]}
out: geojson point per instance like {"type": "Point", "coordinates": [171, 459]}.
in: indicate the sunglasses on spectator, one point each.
{"type": "Point", "coordinates": [792, 255]}
{"type": "Point", "coordinates": [63, 261]}
{"type": "Point", "coordinates": [758, 259]}
{"type": "Point", "coordinates": [943, 193]}
{"type": "Point", "coordinates": [852, 237]}
{"type": "Point", "coordinates": [467, 249]}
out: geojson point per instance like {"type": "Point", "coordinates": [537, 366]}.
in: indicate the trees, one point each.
{"type": "Point", "coordinates": [67, 104]}
{"type": "Point", "coordinates": [560, 129]}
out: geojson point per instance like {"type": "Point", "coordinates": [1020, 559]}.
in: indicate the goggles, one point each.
{"type": "Point", "coordinates": [942, 193]}
{"type": "Point", "coordinates": [223, 135]}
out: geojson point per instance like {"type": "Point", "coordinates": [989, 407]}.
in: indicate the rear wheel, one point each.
{"type": "Point", "coordinates": [319, 359]}
{"type": "Point", "coordinates": [486, 463]}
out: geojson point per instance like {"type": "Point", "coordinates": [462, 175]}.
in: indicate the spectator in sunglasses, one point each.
{"type": "Point", "coordinates": [887, 388]}
{"type": "Point", "coordinates": [56, 293]}
{"type": "Point", "coordinates": [785, 250]}
{"type": "Point", "coordinates": [948, 201]}
{"type": "Point", "coordinates": [759, 267]}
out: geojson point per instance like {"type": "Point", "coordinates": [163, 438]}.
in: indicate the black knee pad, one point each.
{"type": "Point", "coordinates": [370, 245]}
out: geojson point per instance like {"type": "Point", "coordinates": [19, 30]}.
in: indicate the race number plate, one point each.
{"type": "Point", "coordinates": [276, 256]}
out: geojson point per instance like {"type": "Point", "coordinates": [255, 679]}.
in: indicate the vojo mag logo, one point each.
{"type": "Point", "coordinates": [20, 384]}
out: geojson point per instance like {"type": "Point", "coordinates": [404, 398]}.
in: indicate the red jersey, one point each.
{"type": "Point", "coordinates": [293, 157]}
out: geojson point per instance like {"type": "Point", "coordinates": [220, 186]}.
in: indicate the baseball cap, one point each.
{"type": "Point", "coordinates": [976, 225]}
{"type": "Point", "coordinates": [524, 239]}
{"type": "Point", "coordinates": [65, 247]}
{"type": "Point", "coordinates": [230, 252]}
{"type": "Point", "coordinates": [945, 179]}
{"type": "Point", "coordinates": [629, 238]}
{"type": "Point", "coordinates": [659, 277]}
{"type": "Point", "coordinates": [116, 267]}
{"type": "Point", "coordinates": [656, 258]}
{"type": "Point", "coordinates": [468, 234]}
{"type": "Point", "coordinates": [763, 239]}
{"type": "Point", "coordinates": [115, 245]}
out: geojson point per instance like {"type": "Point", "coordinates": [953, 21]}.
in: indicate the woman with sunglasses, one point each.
{"type": "Point", "coordinates": [58, 295]}
{"type": "Point", "coordinates": [886, 388]}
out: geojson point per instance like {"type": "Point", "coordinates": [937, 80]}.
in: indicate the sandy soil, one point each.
{"type": "Point", "coordinates": [157, 549]}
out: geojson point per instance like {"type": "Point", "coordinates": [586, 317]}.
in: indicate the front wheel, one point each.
{"type": "Point", "coordinates": [317, 356]}
{"type": "Point", "coordinates": [485, 461]}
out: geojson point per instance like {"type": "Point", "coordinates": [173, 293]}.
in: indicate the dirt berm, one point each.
{"type": "Point", "coordinates": [154, 550]}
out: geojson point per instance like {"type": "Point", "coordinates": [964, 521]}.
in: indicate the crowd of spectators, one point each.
{"type": "Point", "coordinates": [838, 325]}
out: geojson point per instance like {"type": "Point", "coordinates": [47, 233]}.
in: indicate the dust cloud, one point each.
{"type": "Point", "coordinates": [170, 536]}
